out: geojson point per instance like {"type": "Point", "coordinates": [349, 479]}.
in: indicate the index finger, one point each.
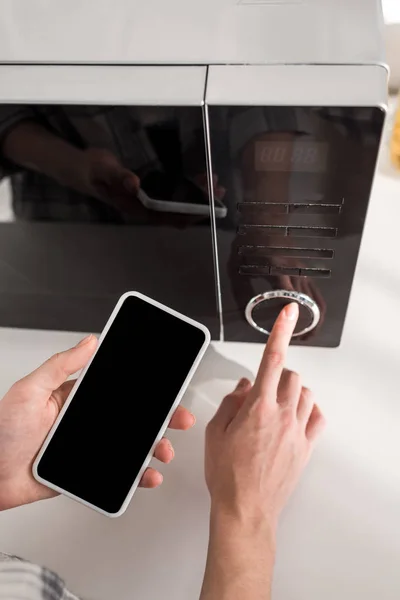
{"type": "Point", "coordinates": [274, 357]}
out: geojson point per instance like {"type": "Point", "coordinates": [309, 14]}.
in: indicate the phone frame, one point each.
{"type": "Point", "coordinates": [181, 208]}
{"type": "Point", "coordinates": [125, 504]}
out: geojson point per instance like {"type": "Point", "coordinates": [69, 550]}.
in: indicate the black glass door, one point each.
{"type": "Point", "coordinates": [97, 200]}
{"type": "Point", "coordinates": [296, 183]}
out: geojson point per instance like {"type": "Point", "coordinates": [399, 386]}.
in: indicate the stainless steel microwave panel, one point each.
{"type": "Point", "coordinates": [251, 127]}
{"type": "Point", "coordinates": [192, 32]}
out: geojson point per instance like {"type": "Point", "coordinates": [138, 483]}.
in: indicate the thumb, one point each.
{"type": "Point", "coordinates": [121, 178]}
{"type": "Point", "coordinates": [56, 370]}
{"type": "Point", "coordinates": [131, 182]}
{"type": "Point", "coordinates": [231, 404]}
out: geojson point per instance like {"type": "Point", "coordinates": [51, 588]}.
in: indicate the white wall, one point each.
{"type": "Point", "coordinates": [391, 10]}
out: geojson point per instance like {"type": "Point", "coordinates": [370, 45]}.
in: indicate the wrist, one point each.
{"type": "Point", "coordinates": [20, 491]}
{"type": "Point", "coordinates": [7, 496]}
{"type": "Point", "coordinates": [252, 524]}
{"type": "Point", "coordinates": [245, 514]}
{"type": "Point", "coordinates": [241, 556]}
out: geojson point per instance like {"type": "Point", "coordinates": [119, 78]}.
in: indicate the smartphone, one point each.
{"type": "Point", "coordinates": [156, 195]}
{"type": "Point", "coordinates": [121, 405]}
{"type": "Point", "coordinates": [200, 207]}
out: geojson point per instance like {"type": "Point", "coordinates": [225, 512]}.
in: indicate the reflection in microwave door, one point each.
{"type": "Point", "coordinates": [181, 208]}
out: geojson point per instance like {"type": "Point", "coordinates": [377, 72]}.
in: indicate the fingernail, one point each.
{"type": "Point", "coordinates": [193, 419]}
{"type": "Point", "coordinates": [242, 384]}
{"type": "Point", "coordinates": [292, 311]}
{"type": "Point", "coordinates": [171, 450]}
{"type": "Point", "coordinates": [85, 341]}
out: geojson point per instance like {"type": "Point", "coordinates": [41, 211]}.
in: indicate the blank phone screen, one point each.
{"type": "Point", "coordinates": [121, 404]}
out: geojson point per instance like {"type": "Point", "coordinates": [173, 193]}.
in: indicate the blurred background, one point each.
{"type": "Point", "coordinates": [392, 17]}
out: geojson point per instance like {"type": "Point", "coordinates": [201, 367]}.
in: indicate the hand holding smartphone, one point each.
{"type": "Point", "coordinates": [120, 406]}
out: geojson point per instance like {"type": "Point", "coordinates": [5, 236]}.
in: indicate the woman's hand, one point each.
{"type": "Point", "coordinates": [257, 447]}
{"type": "Point", "coordinates": [262, 436]}
{"type": "Point", "coordinates": [27, 413]}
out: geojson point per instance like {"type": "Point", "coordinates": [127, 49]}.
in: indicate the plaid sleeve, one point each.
{"type": "Point", "coordinates": [20, 580]}
{"type": "Point", "coordinates": [11, 115]}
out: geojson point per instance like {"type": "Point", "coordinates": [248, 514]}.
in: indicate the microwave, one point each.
{"type": "Point", "coordinates": [216, 155]}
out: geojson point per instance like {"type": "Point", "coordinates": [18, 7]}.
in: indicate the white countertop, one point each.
{"type": "Point", "coordinates": [340, 536]}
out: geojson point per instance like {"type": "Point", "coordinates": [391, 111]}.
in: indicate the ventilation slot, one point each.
{"type": "Point", "coordinates": [254, 270]}
{"type": "Point", "coordinates": [315, 272]}
{"type": "Point", "coordinates": [326, 232]}
{"type": "Point", "coordinates": [281, 230]}
{"type": "Point", "coordinates": [283, 209]}
{"type": "Point", "coordinates": [267, 229]}
{"type": "Point", "coordinates": [265, 270]}
{"type": "Point", "coordinates": [265, 251]}
{"type": "Point", "coordinates": [285, 271]}
{"type": "Point", "coordinates": [315, 209]}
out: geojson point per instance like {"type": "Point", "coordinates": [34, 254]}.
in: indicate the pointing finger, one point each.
{"type": "Point", "coordinates": [273, 360]}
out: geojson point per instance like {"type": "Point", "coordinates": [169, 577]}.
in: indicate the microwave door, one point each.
{"type": "Point", "coordinates": [295, 149]}
{"type": "Point", "coordinates": [104, 189]}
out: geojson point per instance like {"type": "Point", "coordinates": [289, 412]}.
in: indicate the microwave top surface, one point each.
{"type": "Point", "coordinates": [195, 32]}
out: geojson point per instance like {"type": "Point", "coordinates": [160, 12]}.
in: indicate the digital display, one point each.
{"type": "Point", "coordinates": [121, 404]}
{"type": "Point", "coordinates": [296, 155]}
